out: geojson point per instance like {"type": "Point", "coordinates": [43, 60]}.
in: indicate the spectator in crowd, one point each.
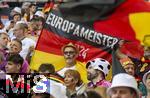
{"type": "Point", "coordinates": [33, 29]}
{"type": "Point", "coordinates": [15, 10]}
{"type": "Point", "coordinates": [54, 84]}
{"type": "Point", "coordinates": [40, 20]}
{"type": "Point", "coordinates": [26, 11]}
{"type": "Point", "coordinates": [20, 31]}
{"type": "Point", "coordinates": [70, 52]}
{"type": "Point", "coordinates": [40, 23]}
{"type": "Point", "coordinates": [49, 71]}
{"type": "Point", "coordinates": [123, 86]}
{"type": "Point", "coordinates": [4, 39]}
{"type": "Point", "coordinates": [74, 84]}
{"type": "Point", "coordinates": [46, 68]}
{"type": "Point", "coordinates": [10, 25]}
{"type": "Point", "coordinates": [13, 76]}
{"type": "Point", "coordinates": [32, 9]}
{"type": "Point", "coordinates": [16, 18]}
{"type": "Point", "coordinates": [14, 63]}
{"type": "Point", "coordinates": [89, 94]}
{"type": "Point", "coordinates": [97, 70]}
{"type": "Point", "coordinates": [144, 65]}
{"type": "Point", "coordinates": [146, 81]}
{"type": "Point", "coordinates": [129, 67]}
{"type": "Point", "coordinates": [146, 58]}
{"type": "Point", "coordinates": [15, 47]}
{"type": "Point", "coordinates": [3, 49]}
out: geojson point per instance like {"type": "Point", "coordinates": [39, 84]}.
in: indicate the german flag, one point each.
{"type": "Point", "coordinates": [129, 20]}
{"type": "Point", "coordinates": [47, 7]}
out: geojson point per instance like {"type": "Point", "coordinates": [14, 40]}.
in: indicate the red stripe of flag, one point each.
{"type": "Point", "coordinates": [52, 43]}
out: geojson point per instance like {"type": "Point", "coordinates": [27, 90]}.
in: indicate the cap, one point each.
{"type": "Point", "coordinates": [70, 45]}
{"type": "Point", "coordinates": [17, 9]}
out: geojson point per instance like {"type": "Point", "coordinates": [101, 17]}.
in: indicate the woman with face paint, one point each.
{"type": "Point", "coordinates": [74, 84]}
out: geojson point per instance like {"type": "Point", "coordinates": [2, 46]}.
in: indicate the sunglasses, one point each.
{"type": "Point", "coordinates": [69, 52]}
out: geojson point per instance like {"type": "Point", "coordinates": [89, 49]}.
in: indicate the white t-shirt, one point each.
{"type": "Point", "coordinates": [62, 71]}
{"type": "Point", "coordinates": [26, 44]}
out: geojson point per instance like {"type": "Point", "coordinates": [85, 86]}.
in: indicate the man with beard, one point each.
{"type": "Point", "coordinates": [70, 52]}
{"type": "Point", "coordinates": [97, 70]}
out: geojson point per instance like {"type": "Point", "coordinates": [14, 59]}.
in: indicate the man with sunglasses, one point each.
{"type": "Point", "coordinates": [70, 52]}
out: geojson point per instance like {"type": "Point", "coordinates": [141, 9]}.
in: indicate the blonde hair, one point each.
{"type": "Point", "coordinates": [76, 75]}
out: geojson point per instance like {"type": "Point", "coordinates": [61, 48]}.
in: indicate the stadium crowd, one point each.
{"type": "Point", "coordinates": [18, 39]}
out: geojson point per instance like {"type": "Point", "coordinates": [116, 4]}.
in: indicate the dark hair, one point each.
{"type": "Point", "coordinates": [43, 95]}
{"type": "Point", "coordinates": [46, 66]}
{"type": "Point", "coordinates": [15, 58]}
{"type": "Point", "coordinates": [41, 19]}
{"type": "Point", "coordinates": [32, 4]}
{"type": "Point", "coordinates": [17, 15]}
{"type": "Point", "coordinates": [33, 19]}
{"type": "Point", "coordinates": [89, 94]}
{"type": "Point", "coordinates": [18, 41]}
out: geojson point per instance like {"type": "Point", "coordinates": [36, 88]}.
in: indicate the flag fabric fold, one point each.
{"type": "Point", "coordinates": [116, 65]}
